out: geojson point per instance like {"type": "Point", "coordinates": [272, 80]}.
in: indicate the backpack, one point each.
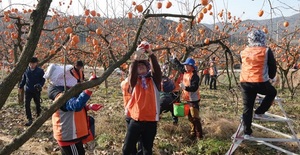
{"type": "Point", "coordinates": [167, 84]}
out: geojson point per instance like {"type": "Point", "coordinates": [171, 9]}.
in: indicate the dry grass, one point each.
{"type": "Point", "coordinates": [220, 112]}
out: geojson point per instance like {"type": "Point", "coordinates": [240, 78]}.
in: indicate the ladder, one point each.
{"type": "Point", "coordinates": [238, 136]}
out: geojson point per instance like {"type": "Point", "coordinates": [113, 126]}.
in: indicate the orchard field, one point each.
{"type": "Point", "coordinates": [106, 34]}
{"type": "Point", "coordinates": [220, 112]}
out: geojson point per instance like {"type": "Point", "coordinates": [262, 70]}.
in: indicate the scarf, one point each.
{"type": "Point", "coordinates": [256, 38]}
{"type": "Point", "coordinates": [143, 78]}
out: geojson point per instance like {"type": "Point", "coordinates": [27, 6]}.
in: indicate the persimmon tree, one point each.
{"type": "Point", "coordinates": [102, 41]}
{"type": "Point", "coordinates": [287, 57]}
{"type": "Point", "coordinates": [74, 40]}
{"type": "Point", "coordinates": [36, 24]}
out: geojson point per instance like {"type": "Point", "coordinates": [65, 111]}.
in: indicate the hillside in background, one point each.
{"type": "Point", "coordinates": [274, 26]}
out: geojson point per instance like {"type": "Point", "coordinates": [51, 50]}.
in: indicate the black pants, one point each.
{"type": "Point", "coordinates": [73, 149]}
{"type": "Point", "coordinates": [36, 96]}
{"type": "Point", "coordinates": [213, 82]}
{"type": "Point", "coordinates": [139, 149]}
{"type": "Point", "coordinates": [249, 92]}
{"type": "Point", "coordinates": [166, 104]}
{"type": "Point", "coordinates": [206, 79]}
{"type": "Point", "coordinates": [145, 131]}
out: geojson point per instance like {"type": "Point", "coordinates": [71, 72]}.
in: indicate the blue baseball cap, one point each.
{"type": "Point", "coordinates": [189, 61]}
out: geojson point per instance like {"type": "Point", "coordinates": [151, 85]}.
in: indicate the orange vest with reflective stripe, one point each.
{"type": "Point", "coordinates": [254, 65]}
{"type": "Point", "coordinates": [189, 96]}
{"type": "Point", "coordinates": [79, 76]}
{"type": "Point", "coordinates": [69, 125]}
{"type": "Point", "coordinates": [144, 103]}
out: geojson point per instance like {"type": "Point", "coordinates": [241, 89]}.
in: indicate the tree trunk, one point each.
{"type": "Point", "coordinates": [282, 83]}
{"type": "Point", "coordinates": [37, 18]}
{"type": "Point", "coordinates": [21, 139]}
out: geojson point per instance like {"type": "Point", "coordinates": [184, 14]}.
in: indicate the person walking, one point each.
{"type": "Point", "coordinates": [206, 75]}
{"type": "Point", "coordinates": [33, 81]}
{"type": "Point", "coordinates": [213, 72]}
{"type": "Point", "coordinates": [144, 79]}
{"type": "Point", "coordinates": [190, 94]}
{"type": "Point", "coordinates": [258, 67]}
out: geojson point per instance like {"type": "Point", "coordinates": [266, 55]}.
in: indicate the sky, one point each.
{"type": "Point", "coordinates": [245, 9]}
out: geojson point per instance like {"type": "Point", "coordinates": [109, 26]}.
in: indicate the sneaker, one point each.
{"type": "Point", "coordinates": [175, 121]}
{"type": "Point", "coordinates": [246, 136]}
{"type": "Point", "coordinates": [261, 116]}
{"type": "Point", "coordinates": [28, 123]}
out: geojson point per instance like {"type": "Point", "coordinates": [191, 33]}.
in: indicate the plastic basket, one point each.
{"type": "Point", "coordinates": [181, 109]}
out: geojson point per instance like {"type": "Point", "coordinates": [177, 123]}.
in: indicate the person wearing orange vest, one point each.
{"type": "Point", "coordinates": [206, 75]}
{"type": "Point", "coordinates": [258, 67]}
{"type": "Point", "coordinates": [213, 72]}
{"type": "Point", "coordinates": [126, 91]}
{"type": "Point", "coordinates": [71, 125]}
{"type": "Point", "coordinates": [190, 94]}
{"type": "Point", "coordinates": [77, 71]}
{"type": "Point", "coordinates": [143, 107]}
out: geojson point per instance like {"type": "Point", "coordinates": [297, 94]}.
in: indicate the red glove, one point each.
{"type": "Point", "coordinates": [144, 45]}
{"type": "Point", "coordinates": [94, 107]}
{"type": "Point", "coordinates": [93, 77]}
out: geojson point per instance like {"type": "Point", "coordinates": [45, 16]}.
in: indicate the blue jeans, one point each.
{"type": "Point", "coordinates": [139, 130]}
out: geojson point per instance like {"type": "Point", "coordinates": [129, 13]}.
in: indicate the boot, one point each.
{"type": "Point", "coordinates": [198, 128]}
{"type": "Point", "coordinates": [192, 135]}
{"type": "Point", "coordinates": [28, 123]}
{"type": "Point", "coordinates": [175, 120]}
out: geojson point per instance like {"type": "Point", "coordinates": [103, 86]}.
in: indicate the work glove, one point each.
{"type": "Point", "coordinates": [138, 53]}
{"type": "Point", "coordinates": [144, 45]}
{"type": "Point", "coordinates": [272, 80]}
{"type": "Point", "coordinates": [173, 56]}
{"type": "Point", "coordinates": [94, 107]}
{"type": "Point", "coordinates": [93, 77]}
{"type": "Point", "coordinates": [182, 86]}
{"type": "Point", "coordinates": [37, 87]}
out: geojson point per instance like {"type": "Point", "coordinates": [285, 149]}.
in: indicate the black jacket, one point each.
{"type": "Point", "coordinates": [31, 78]}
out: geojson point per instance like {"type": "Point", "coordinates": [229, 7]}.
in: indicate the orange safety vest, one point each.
{"type": "Point", "coordinates": [125, 91]}
{"type": "Point", "coordinates": [212, 69]}
{"type": "Point", "coordinates": [70, 125]}
{"type": "Point", "coordinates": [254, 65]}
{"type": "Point", "coordinates": [144, 103]}
{"type": "Point", "coordinates": [189, 96]}
{"type": "Point", "coordinates": [205, 71]}
{"type": "Point", "coordinates": [79, 76]}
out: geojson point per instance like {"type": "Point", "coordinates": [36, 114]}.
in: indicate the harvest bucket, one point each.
{"type": "Point", "coordinates": [181, 109]}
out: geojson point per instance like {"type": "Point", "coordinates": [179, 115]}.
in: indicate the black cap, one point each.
{"type": "Point", "coordinates": [34, 59]}
{"type": "Point", "coordinates": [79, 63]}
